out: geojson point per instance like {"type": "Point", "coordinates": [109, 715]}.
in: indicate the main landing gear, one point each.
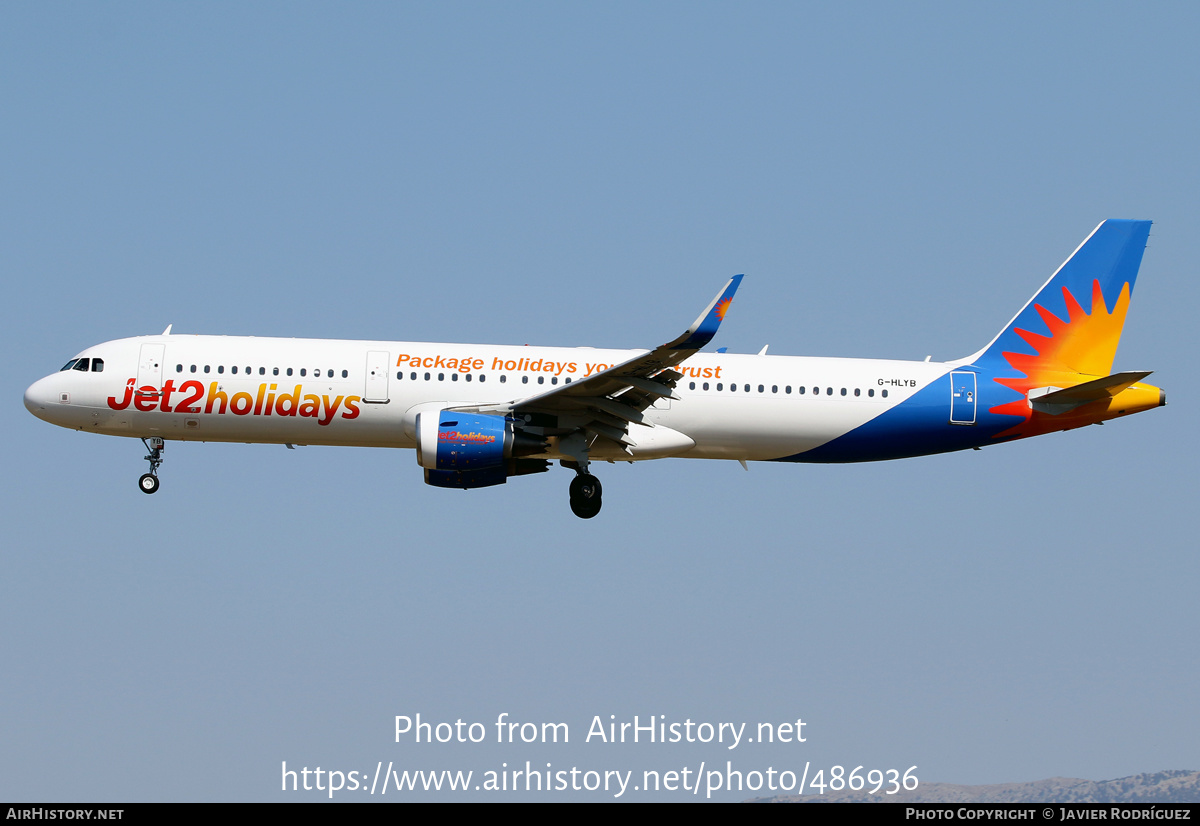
{"type": "Point", "coordinates": [149, 481]}
{"type": "Point", "coordinates": [585, 488]}
{"type": "Point", "coordinates": [585, 495]}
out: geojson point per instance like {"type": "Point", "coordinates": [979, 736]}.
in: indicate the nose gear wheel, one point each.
{"type": "Point", "coordinates": [148, 483]}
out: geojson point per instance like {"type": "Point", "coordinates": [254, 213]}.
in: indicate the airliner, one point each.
{"type": "Point", "coordinates": [478, 414]}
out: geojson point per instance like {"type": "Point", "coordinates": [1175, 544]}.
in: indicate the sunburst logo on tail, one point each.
{"type": "Point", "coordinates": [1083, 343]}
{"type": "Point", "coordinates": [721, 308]}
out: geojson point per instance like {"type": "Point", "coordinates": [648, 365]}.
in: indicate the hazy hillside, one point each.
{"type": "Point", "coordinates": [1158, 787]}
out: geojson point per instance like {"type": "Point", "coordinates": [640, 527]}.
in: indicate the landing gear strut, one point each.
{"type": "Point", "coordinates": [149, 481]}
{"type": "Point", "coordinates": [585, 488]}
{"type": "Point", "coordinates": [585, 495]}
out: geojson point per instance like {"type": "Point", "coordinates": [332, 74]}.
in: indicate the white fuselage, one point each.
{"type": "Point", "coordinates": [368, 393]}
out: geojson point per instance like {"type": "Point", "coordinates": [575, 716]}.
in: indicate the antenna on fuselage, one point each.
{"type": "Point", "coordinates": [167, 331]}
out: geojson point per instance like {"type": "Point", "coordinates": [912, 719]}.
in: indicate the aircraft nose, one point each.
{"type": "Point", "coordinates": [38, 397]}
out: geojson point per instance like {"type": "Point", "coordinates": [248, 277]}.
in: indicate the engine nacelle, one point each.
{"type": "Point", "coordinates": [471, 450]}
{"type": "Point", "coordinates": [462, 441]}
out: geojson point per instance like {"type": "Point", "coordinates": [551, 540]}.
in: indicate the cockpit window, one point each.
{"type": "Point", "coordinates": [69, 365]}
{"type": "Point", "coordinates": [97, 365]}
{"type": "Point", "coordinates": [82, 365]}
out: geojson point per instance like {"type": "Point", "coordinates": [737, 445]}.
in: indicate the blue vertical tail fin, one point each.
{"type": "Point", "coordinates": [1073, 323]}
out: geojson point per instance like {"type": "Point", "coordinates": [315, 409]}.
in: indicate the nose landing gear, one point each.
{"type": "Point", "coordinates": [148, 483]}
{"type": "Point", "coordinates": [585, 495]}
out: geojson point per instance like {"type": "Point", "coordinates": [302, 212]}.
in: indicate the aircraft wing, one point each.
{"type": "Point", "coordinates": [604, 404]}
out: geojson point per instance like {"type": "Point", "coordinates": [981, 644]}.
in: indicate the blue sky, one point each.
{"type": "Point", "coordinates": [894, 180]}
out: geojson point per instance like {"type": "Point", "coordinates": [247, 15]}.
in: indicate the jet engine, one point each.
{"type": "Point", "coordinates": [471, 450]}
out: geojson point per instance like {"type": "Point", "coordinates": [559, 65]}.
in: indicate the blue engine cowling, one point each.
{"type": "Point", "coordinates": [471, 450]}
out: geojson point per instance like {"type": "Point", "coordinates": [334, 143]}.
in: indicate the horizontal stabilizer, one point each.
{"type": "Point", "coordinates": [1055, 400]}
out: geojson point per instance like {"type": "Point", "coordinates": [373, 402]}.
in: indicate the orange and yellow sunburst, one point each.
{"type": "Point", "coordinates": [721, 308]}
{"type": "Point", "coordinates": [1077, 349]}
